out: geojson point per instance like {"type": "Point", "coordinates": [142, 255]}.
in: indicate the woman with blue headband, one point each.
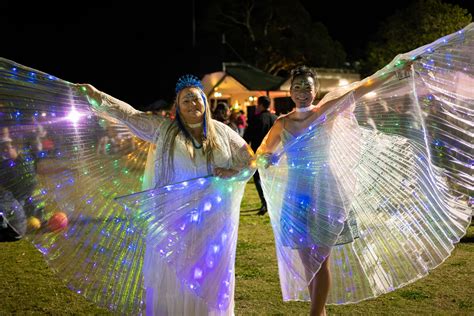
{"type": "Point", "coordinates": [192, 146]}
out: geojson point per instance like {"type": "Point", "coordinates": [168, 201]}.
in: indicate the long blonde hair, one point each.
{"type": "Point", "coordinates": [209, 141]}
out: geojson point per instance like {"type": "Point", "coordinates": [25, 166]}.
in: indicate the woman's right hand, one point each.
{"type": "Point", "coordinates": [265, 160]}
{"type": "Point", "coordinates": [93, 95]}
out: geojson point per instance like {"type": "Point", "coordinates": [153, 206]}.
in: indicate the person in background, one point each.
{"type": "Point", "coordinates": [17, 183]}
{"type": "Point", "coordinates": [222, 113]}
{"type": "Point", "coordinates": [258, 127]}
{"type": "Point", "coordinates": [233, 121]}
{"type": "Point", "coordinates": [241, 123]}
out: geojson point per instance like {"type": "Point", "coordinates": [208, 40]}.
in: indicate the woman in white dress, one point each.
{"type": "Point", "coordinates": [192, 145]}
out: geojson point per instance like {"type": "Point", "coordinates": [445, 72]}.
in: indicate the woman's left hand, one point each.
{"type": "Point", "coordinates": [224, 173]}
{"type": "Point", "coordinates": [403, 67]}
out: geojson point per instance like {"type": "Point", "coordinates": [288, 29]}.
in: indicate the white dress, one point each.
{"type": "Point", "coordinates": [167, 294]}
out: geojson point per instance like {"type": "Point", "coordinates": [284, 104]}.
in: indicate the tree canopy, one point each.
{"type": "Point", "coordinates": [419, 24]}
{"type": "Point", "coordinates": [274, 35]}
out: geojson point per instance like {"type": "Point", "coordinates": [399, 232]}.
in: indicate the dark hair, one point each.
{"type": "Point", "coordinates": [305, 72]}
{"type": "Point", "coordinates": [221, 107]}
{"type": "Point", "coordinates": [264, 101]}
{"type": "Point", "coordinates": [220, 112]}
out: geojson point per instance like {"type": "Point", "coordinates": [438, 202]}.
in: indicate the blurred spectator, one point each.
{"type": "Point", "coordinates": [109, 143]}
{"type": "Point", "coordinates": [47, 144]}
{"type": "Point", "coordinates": [17, 184]}
{"type": "Point", "coordinates": [241, 123]}
{"type": "Point", "coordinates": [12, 217]}
{"type": "Point", "coordinates": [222, 113]}
{"type": "Point", "coordinates": [233, 121]}
{"type": "Point", "coordinates": [257, 128]}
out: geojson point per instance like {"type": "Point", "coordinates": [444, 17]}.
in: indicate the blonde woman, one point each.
{"type": "Point", "coordinates": [190, 146]}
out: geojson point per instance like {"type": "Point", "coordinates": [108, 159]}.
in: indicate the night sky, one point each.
{"type": "Point", "coordinates": [136, 53]}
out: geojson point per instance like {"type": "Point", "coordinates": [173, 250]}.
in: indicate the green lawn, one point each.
{"type": "Point", "coordinates": [27, 285]}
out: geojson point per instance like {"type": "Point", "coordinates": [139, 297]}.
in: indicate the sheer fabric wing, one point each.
{"type": "Point", "coordinates": [192, 229]}
{"type": "Point", "coordinates": [70, 164]}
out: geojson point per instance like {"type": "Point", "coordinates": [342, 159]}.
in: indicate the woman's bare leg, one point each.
{"type": "Point", "coordinates": [319, 285]}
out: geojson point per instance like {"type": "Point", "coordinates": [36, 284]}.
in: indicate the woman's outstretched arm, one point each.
{"type": "Point", "coordinates": [143, 125]}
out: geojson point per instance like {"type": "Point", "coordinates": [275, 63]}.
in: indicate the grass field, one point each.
{"type": "Point", "coordinates": [27, 285]}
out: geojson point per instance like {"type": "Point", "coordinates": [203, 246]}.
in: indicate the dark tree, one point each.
{"type": "Point", "coordinates": [419, 24]}
{"type": "Point", "coordinates": [273, 35]}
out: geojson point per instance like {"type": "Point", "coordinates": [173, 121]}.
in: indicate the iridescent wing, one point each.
{"type": "Point", "coordinates": [191, 227]}
{"type": "Point", "coordinates": [71, 164]}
